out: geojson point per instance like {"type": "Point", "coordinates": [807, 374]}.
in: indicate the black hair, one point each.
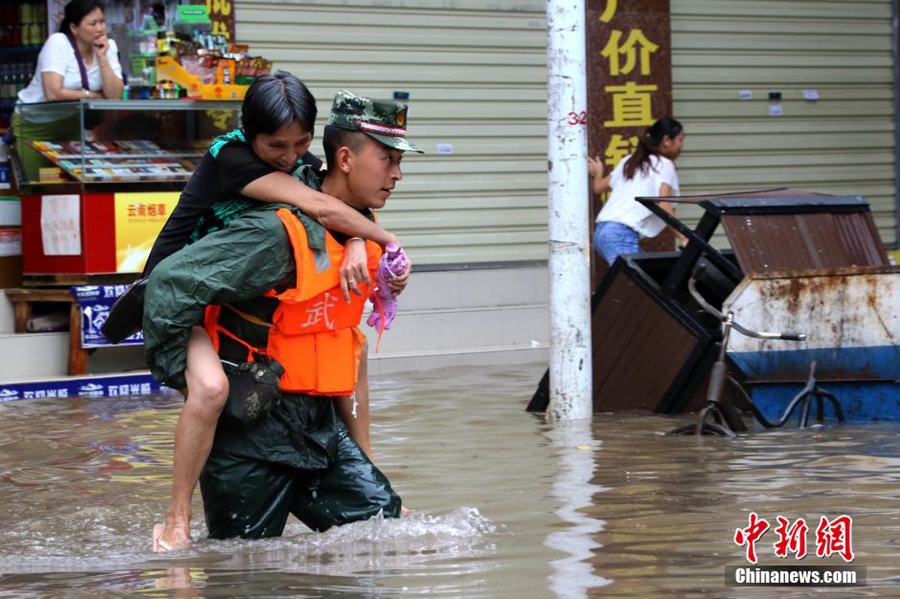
{"type": "Point", "coordinates": [648, 145]}
{"type": "Point", "coordinates": [75, 11]}
{"type": "Point", "coordinates": [274, 101]}
{"type": "Point", "coordinates": [336, 138]}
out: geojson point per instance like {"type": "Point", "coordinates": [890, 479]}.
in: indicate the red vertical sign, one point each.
{"type": "Point", "coordinates": [629, 79]}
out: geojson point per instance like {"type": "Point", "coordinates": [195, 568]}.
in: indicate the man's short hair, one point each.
{"type": "Point", "coordinates": [336, 138]}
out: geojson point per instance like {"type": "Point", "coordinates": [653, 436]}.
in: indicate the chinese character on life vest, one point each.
{"type": "Point", "coordinates": [318, 312]}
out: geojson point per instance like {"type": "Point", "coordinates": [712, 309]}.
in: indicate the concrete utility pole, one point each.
{"type": "Point", "coordinates": [570, 311]}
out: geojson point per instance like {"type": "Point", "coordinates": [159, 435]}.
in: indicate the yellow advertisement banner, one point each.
{"type": "Point", "coordinates": [139, 219]}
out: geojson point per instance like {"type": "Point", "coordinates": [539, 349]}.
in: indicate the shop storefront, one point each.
{"type": "Point", "coordinates": [98, 178]}
{"type": "Point", "coordinates": [788, 94]}
{"type": "Point", "coordinates": [800, 94]}
{"type": "Point", "coordinates": [797, 93]}
{"type": "Point", "coordinates": [475, 75]}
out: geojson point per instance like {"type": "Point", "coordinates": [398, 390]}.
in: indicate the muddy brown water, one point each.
{"type": "Point", "coordinates": [504, 504]}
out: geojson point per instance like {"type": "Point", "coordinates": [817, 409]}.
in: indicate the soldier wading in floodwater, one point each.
{"type": "Point", "coordinates": [267, 286]}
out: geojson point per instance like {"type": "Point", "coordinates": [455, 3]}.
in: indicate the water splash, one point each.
{"type": "Point", "coordinates": [378, 543]}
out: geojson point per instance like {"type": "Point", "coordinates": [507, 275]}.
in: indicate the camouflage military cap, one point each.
{"type": "Point", "coordinates": [383, 120]}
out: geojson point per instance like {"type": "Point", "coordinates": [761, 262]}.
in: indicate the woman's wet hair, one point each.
{"type": "Point", "coordinates": [648, 145]}
{"type": "Point", "coordinates": [274, 101]}
{"type": "Point", "coordinates": [76, 10]}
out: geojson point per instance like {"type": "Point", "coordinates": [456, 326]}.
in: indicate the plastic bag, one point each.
{"type": "Point", "coordinates": [384, 301]}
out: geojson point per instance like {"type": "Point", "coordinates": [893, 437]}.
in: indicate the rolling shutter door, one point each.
{"type": "Point", "coordinates": [842, 143]}
{"type": "Point", "coordinates": [476, 77]}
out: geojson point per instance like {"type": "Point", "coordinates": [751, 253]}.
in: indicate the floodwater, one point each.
{"type": "Point", "coordinates": [504, 504]}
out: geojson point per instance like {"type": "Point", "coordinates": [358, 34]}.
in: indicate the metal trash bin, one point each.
{"type": "Point", "coordinates": [654, 345]}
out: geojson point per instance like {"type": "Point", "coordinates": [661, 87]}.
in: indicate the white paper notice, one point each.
{"type": "Point", "coordinates": [745, 94]}
{"type": "Point", "coordinates": [444, 148]}
{"type": "Point", "coordinates": [776, 110]}
{"type": "Point", "coordinates": [61, 225]}
{"type": "Point", "coordinates": [810, 94]}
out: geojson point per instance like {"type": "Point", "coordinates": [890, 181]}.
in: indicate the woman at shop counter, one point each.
{"type": "Point", "coordinates": [79, 62]}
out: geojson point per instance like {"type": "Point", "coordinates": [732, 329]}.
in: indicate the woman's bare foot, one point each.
{"type": "Point", "coordinates": [171, 538]}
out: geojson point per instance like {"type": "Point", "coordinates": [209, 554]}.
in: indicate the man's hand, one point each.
{"type": "Point", "coordinates": [354, 268]}
{"type": "Point", "coordinates": [398, 284]}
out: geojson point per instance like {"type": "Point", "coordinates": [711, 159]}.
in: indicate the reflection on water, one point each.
{"type": "Point", "coordinates": [504, 505]}
{"type": "Point", "coordinates": [573, 575]}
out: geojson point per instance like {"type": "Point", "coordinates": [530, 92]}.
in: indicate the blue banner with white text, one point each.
{"type": "Point", "coordinates": [95, 302]}
{"type": "Point", "coordinates": [140, 383]}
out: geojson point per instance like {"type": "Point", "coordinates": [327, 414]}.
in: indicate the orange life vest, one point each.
{"type": "Point", "coordinates": [314, 332]}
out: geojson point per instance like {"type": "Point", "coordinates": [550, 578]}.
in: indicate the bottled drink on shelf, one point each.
{"type": "Point", "coordinates": [25, 13]}
{"type": "Point", "coordinates": [4, 85]}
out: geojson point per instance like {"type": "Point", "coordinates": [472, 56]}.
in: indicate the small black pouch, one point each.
{"type": "Point", "coordinates": [126, 317]}
{"type": "Point", "coordinates": [252, 389]}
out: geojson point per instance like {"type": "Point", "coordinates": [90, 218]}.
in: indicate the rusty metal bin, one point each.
{"type": "Point", "coordinates": [653, 345]}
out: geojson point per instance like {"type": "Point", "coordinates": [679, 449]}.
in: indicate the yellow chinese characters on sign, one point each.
{"type": "Point", "coordinates": [221, 13]}
{"type": "Point", "coordinates": [629, 68]}
{"type": "Point", "coordinates": [636, 49]}
{"type": "Point", "coordinates": [139, 219]}
{"type": "Point", "coordinates": [619, 147]}
{"type": "Point", "coordinates": [632, 105]}
{"type": "Point", "coordinates": [609, 12]}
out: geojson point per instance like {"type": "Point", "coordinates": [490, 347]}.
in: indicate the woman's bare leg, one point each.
{"type": "Point", "coordinates": [207, 390]}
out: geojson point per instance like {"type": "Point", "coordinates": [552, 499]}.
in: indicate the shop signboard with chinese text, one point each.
{"type": "Point", "coordinates": [221, 13]}
{"type": "Point", "coordinates": [629, 78]}
{"type": "Point", "coordinates": [139, 218]}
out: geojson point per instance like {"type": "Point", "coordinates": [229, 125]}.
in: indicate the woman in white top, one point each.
{"type": "Point", "coordinates": [79, 62]}
{"type": "Point", "coordinates": [648, 172]}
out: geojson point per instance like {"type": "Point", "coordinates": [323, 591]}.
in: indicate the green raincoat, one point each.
{"type": "Point", "coordinates": [299, 457]}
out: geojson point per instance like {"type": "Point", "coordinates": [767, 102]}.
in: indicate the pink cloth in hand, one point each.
{"type": "Point", "coordinates": [384, 301]}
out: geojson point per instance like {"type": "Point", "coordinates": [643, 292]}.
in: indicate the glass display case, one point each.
{"type": "Point", "coordinates": [119, 141]}
{"type": "Point", "coordinates": [99, 179]}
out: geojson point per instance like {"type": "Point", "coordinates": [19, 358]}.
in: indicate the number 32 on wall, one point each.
{"type": "Point", "coordinates": [577, 118]}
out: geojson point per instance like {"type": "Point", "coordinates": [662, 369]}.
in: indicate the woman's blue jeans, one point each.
{"type": "Point", "coordinates": [612, 239]}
